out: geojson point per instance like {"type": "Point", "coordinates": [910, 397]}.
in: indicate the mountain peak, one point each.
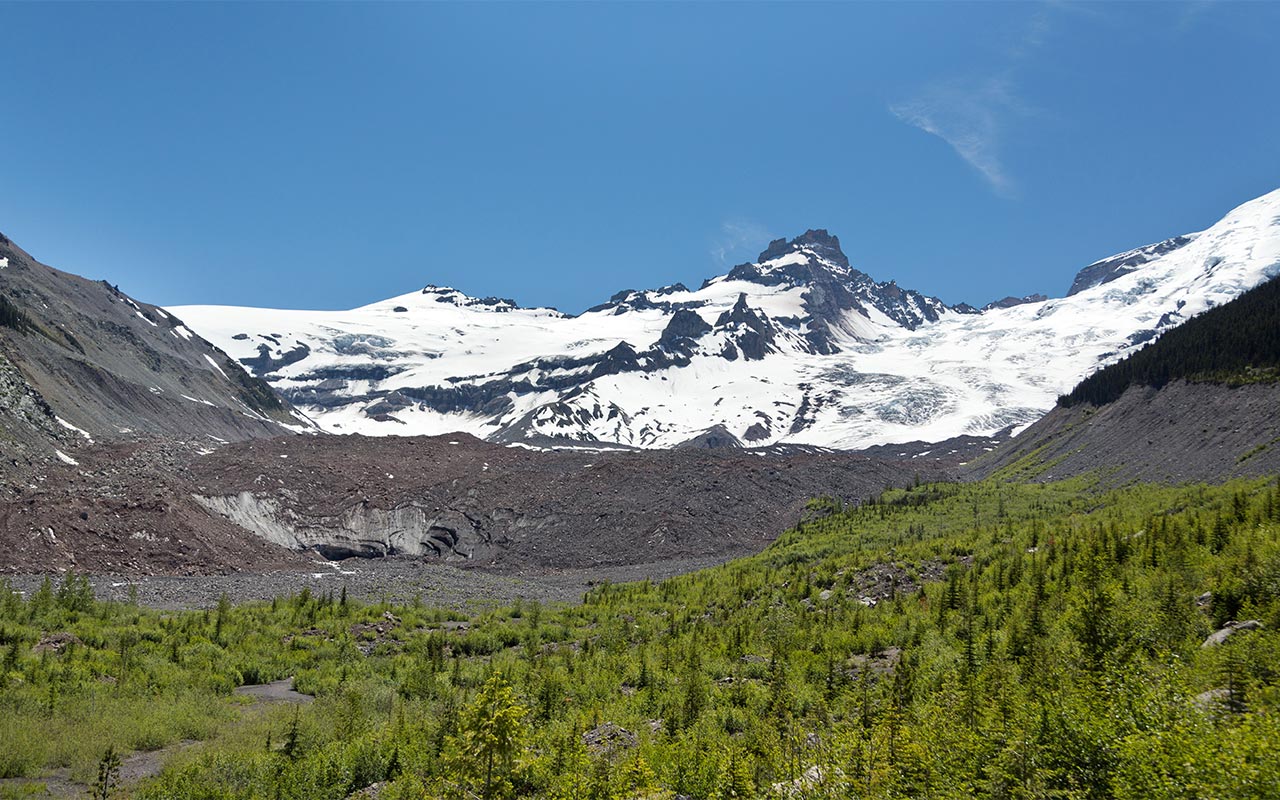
{"type": "Point", "coordinates": [823, 244]}
{"type": "Point", "coordinates": [813, 256]}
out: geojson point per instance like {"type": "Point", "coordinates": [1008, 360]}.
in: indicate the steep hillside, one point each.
{"type": "Point", "coordinates": [80, 360]}
{"type": "Point", "coordinates": [798, 347]}
{"type": "Point", "coordinates": [1232, 344]}
{"type": "Point", "coordinates": [1202, 403]}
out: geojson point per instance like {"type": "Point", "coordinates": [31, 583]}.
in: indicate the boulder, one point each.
{"type": "Point", "coordinates": [608, 738]}
{"type": "Point", "coordinates": [1230, 629]}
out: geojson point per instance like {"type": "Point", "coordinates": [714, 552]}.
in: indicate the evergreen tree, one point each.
{"type": "Point", "coordinates": [491, 738]}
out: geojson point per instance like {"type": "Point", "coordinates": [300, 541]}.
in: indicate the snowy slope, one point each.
{"type": "Point", "coordinates": [797, 347]}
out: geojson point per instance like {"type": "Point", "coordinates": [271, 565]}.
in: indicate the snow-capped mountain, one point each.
{"type": "Point", "coordinates": [797, 347]}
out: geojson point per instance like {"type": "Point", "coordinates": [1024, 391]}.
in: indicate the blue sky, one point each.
{"type": "Point", "coordinates": [330, 155]}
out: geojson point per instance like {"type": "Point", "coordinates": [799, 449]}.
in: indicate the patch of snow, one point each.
{"type": "Point", "coordinates": [71, 427]}
{"type": "Point", "coordinates": [214, 364]}
{"type": "Point", "coordinates": [66, 459]}
{"type": "Point", "coordinates": [308, 429]}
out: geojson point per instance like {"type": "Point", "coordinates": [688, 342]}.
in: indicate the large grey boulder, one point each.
{"type": "Point", "coordinates": [1230, 629]}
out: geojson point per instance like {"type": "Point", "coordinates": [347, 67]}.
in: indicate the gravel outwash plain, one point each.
{"type": "Point", "coordinates": [394, 579]}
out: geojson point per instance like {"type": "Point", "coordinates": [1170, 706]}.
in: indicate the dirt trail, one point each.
{"type": "Point", "coordinates": [140, 765]}
{"type": "Point", "coordinates": [281, 691]}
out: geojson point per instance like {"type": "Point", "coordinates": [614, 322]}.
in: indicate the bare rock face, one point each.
{"type": "Point", "coordinates": [1117, 266]}
{"type": "Point", "coordinates": [1010, 302]}
{"type": "Point", "coordinates": [716, 437]}
{"type": "Point", "coordinates": [28, 426]}
{"type": "Point", "coordinates": [750, 330]}
{"type": "Point", "coordinates": [685, 325]}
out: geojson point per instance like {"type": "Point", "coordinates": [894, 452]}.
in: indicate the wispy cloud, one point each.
{"type": "Point", "coordinates": [737, 238]}
{"type": "Point", "coordinates": [970, 116]}
{"type": "Point", "coordinates": [973, 114]}
{"type": "Point", "coordinates": [1033, 36]}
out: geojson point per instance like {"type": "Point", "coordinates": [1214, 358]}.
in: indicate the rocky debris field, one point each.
{"type": "Point", "coordinates": [395, 579]}
{"type": "Point", "coordinates": [459, 499]}
{"type": "Point", "coordinates": [124, 509]}
{"type": "Point", "coordinates": [462, 520]}
{"type": "Point", "coordinates": [1182, 433]}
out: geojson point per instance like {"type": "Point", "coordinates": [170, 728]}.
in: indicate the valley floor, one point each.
{"type": "Point", "coordinates": [950, 640]}
{"type": "Point", "coordinates": [395, 579]}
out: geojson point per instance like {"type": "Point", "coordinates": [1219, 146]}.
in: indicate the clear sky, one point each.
{"type": "Point", "coordinates": [329, 155]}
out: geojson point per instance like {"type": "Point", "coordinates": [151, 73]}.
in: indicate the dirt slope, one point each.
{"type": "Point", "coordinates": [184, 508]}
{"type": "Point", "coordinates": [123, 510]}
{"type": "Point", "coordinates": [1183, 432]}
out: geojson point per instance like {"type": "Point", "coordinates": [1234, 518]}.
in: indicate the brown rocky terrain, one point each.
{"type": "Point", "coordinates": [460, 499]}
{"type": "Point", "coordinates": [280, 504]}
{"type": "Point", "coordinates": [123, 509]}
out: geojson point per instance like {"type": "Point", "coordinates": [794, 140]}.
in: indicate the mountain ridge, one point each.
{"type": "Point", "coordinates": [798, 347]}
{"type": "Point", "coordinates": [80, 360]}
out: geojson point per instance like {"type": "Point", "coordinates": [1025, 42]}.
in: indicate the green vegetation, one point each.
{"type": "Point", "coordinates": [944, 641]}
{"type": "Point", "coordinates": [1236, 343]}
{"type": "Point", "coordinates": [1255, 450]}
{"type": "Point", "coordinates": [13, 317]}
